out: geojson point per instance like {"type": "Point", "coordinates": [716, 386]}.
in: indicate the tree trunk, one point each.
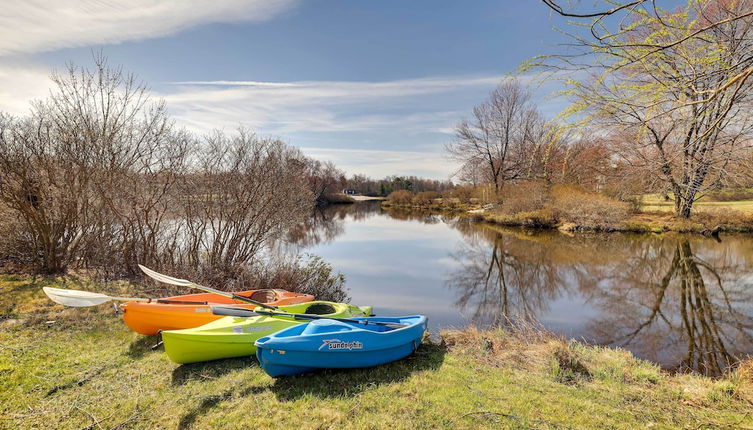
{"type": "Point", "coordinates": [683, 207]}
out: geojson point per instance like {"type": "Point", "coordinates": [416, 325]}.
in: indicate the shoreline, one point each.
{"type": "Point", "coordinates": [643, 222]}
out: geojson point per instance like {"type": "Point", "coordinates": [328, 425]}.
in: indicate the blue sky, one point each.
{"type": "Point", "coordinates": [375, 86]}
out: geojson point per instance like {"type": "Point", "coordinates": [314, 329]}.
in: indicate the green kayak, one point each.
{"type": "Point", "coordinates": [235, 336]}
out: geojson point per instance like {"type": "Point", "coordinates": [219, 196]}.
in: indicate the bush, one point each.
{"type": "Point", "coordinates": [524, 197]}
{"type": "Point", "coordinates": [338, 198]}
{"type": "Point", "coordinates": [400, 197]}
{"type": "Point", "coordinates": [587, 209]}
{"type": "Point", "coordinates": [425, 197]}
{"type": "Point", "coordinates": [309, 274]}
{"type": "Point", "coordinates": [313, 276]}
{"type": "Point", "coordinates": [463, 194]}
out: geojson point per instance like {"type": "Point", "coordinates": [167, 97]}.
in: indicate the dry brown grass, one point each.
{"type": "Point", "coordinates": [590, 210]}
{"type": "Point", "coordinates": [400, 197]}
{"type": "Point", "coordinates": [425, 197]}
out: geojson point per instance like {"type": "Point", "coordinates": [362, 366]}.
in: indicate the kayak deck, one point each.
{"type": "Point", "coordinates": [194, 310]}
{"type": "Point", "coordinates": [229, 337]}
{"type": "Point", "coordinates": [330, 344]}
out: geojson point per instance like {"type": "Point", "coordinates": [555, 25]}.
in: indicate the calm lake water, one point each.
{"type": "Point", "coordinates": [683, 301]}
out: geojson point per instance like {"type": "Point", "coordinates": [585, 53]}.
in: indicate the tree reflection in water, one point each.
{"type": "Point", "coordinates": [652, 295]}
{"type": "Point", "coordinates": [684, 309]}
{"type": "Point", "coordinates": [685, 302]}
{"type": "Point", "coordinates": [500, 283]}
{"type": "Point", "coordinates": [327, 223]}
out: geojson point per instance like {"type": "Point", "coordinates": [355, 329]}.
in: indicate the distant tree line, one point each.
{"type": "Point", "coordinates": [383, 187]}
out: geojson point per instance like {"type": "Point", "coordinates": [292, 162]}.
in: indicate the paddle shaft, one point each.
{"type": "Point", "coordinates": [163, 301]}
{"type": "Point", "coordinates": [311, 317]}
{"type": "Point", "coordinates": [231, 295]}
{"type": "Point", "coordinates": [184, 283]}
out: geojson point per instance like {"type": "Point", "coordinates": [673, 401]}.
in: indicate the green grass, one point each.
{"type": "Point", "coordinates": [82, 368]}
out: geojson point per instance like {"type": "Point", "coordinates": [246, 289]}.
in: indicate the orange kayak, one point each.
{"type": "Point", "coordinates": [193, 310]}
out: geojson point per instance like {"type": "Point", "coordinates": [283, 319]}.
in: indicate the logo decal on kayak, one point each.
{"type": "Point", "coordinates": [337, 344]}
{"type": "Point", "coordinates": [251, 329]}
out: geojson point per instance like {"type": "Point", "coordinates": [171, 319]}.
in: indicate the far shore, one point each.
{"type": "Point", "coordinates": [359, 198]}
{"type": "Point", "coordinates": [721, 217]}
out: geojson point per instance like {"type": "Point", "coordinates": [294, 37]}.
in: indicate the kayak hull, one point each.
{"type": "Point", "coordinates": [172, 313]}
{"type": "Point", "coordinates": [334, 345]}
{"type": "Point", "coordinates": [230, 337]}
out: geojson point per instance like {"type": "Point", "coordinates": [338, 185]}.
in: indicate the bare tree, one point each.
{"type": "Point", "coordinates": [323, 178]}
{"type": "Point", "coordinates": [52, 162]}
{"type": "Point", "coordinates": [493, 141]}
{"type": "Point", "coordinates": [243, 193]}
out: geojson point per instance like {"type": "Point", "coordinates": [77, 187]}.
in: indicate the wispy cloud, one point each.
{"type": "Point", "coordinates": [377, 128]}
{"type": "Point", "coordinates": [43, 25]}
{"type": "Point", "coordinates": [325, 106]}
{"type": "Point", "coordinates": [379, 163]}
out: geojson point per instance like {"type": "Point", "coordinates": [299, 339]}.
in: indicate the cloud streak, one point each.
{"type": "Point", "coordinates": [377, 128]}
{"type": "Point", "coordinates": [423, 105]}
{"type": "Point", "coordinates": [43, 25]}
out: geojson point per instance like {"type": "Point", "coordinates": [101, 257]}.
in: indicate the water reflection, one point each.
{"type": "Point", "coordinates": [685, 302]}
{"type": "Point", "coordinates": [499, 282]}
{"type": "Point", "coordinates": [327, 223]}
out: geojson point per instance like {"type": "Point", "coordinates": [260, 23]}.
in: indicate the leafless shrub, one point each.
{"type": "Point", "coordinates": [54, 161]}
{"type": "Point", "coordinates": [463, 194]}
{"type": "Point", "coordinates": [574, 204]}
{"type": "Point", "coordinates": [100, 180]}
{"type": "Point", "coordinates": [524, 197]}
{"type": "Point", "coordinates": [309, 274]}
{"type": "Point", "coordinates": [425, 197]}
{"type": "Point", "coordinates": [400, 197]}
{"type": "Point", "coordinates": [243, 192]}
{"type": "Point", "coordinates": [729, 195]}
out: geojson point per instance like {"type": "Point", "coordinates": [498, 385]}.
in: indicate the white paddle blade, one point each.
{"type": "Point", "coordinates": [164, 278]}
{"type": "Point", "coordinates": [75, 298]}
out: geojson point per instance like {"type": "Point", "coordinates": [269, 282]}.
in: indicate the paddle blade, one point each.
{"type": "Point", "coordinates": [75, 298]}
{"type": "Point", "coordinates": [231, 311]}
{"type": "Point", "coordinates": [164, 278]}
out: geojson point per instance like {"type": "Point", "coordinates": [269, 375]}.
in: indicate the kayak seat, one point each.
{"type": "Point", "coordinates": [320, 309]}
{"type": "Point", "coordinates": [326, 326]}
{"type": "Point", "coordinates": [264, 296]}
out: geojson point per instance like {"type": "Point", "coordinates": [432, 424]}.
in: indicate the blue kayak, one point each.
{"type": "Point", "coordinates": [330, 344]}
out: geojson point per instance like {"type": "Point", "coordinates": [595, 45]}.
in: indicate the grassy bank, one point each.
{"type": "Point", "coordinates": [705, 222]}
{"type": "Point", "coordinates": [82, 368]}
{"type": "Point", "coordinates": [570, 208]}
